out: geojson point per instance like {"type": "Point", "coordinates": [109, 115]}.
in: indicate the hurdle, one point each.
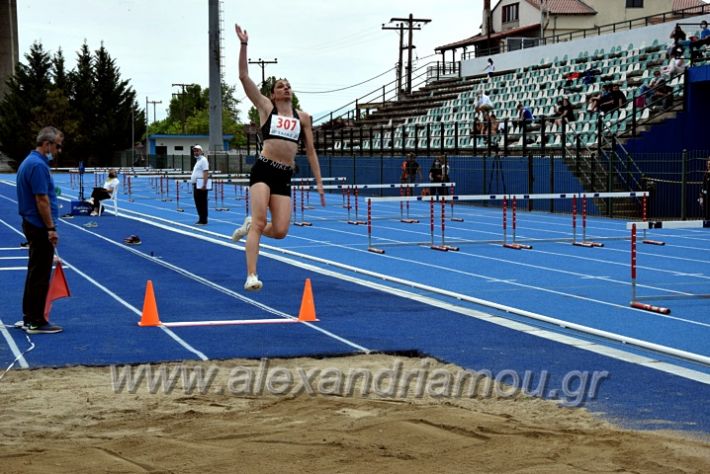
{"type": "Point", "coordinates": [302, 222]}
{"type": "Point", "coordinates": [442, 217]}
{"type": "Point", "coordinates": [505, 199]}
{"type": "Point", "coordinates": [177, 197]}
{"type": "Point", "coordinates": [584, 242]}
{"type": "Point", "coordinates": [357, 220]}
{"type": "Point", "coordinates": [637, 301]}
{"type": "Point", "coordinates": [219, 196]}
{"type": "Point", "coordinates": [349, 189]}
{"type": "Point", "coordinates": [514, 245]}
{"type": "Point", "coordinates": [311, 179]}
{"type": "Point", "coordinates": [645, 240]}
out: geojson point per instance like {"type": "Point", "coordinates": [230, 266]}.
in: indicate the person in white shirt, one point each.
{"type": "Point", "coordinates": [105, 192]}
{"type": "Point", "coordinates": [490, 69]}
{"type": "Point", "coordinates": [484, 105]}
{"type": "Point", "coordinates": [199, 180]}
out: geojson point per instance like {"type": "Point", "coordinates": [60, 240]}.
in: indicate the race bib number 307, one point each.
{"type": "Point", "coordinates": [286, 127]}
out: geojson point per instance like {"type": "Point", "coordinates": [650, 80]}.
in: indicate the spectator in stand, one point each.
{"type": "Point", "coordinates": [565, 112]}
{"type": "Point", "coordinates": [490, 69]}
{"type": "Point", "coordinates": [661, 94]}
{"type": "Point", "coordinates": [606, 101]}
{"type": "Point", "coordinates": [644, 93]}
{"type": "Point", "coordinates": [675, 66]}
{"type": "Point", "coordinates": [704, 32]}
{"type": "Point", "coordinates": [484, 105]}
{"type": "Point", "coordinates": [618, 98]}
{"type": "Point", "coordinates": [491, 125]}
{"type": "Point", "coordinates": [525, 116]}
{"type": "Point", "coordinates": [678, 35]}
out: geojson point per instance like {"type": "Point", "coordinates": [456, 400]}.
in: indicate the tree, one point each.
{"type": "Point", "coordinates": [115, 108]}
{"type": "Point", "coordinates": [21, 108]}
{"type": "Point", "coordinates": [91, 104]}
{"type": "Point", "coordinates": [194, 104]}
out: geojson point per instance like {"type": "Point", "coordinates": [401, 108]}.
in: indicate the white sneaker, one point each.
{"type": "Point", "coordinates": [253, 283]}
{"type": "Point", "coordinates": [94, 214]}
{"type": "Point", "coordinates": [239, 233]}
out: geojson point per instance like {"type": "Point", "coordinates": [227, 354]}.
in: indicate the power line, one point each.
{"type": "Point", "coordinates": [347, 87]}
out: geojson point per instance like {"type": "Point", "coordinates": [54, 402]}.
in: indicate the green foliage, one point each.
{"type": "Point", "coordinates": [91, 104]}
{"type": "Point", "coordinates": [188, 113]}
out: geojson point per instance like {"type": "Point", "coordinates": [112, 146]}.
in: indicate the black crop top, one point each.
{"type": "Point", "coordinates": [282, 127]}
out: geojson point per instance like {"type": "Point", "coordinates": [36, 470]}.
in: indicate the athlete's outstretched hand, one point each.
{"type": "Point", "coordinates": [241, 34]}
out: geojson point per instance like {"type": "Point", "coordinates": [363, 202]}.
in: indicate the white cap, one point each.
{"type": "Point", "coordinates": [197, 147]}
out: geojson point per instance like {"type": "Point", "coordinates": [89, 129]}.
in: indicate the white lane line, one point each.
{"type": "Point", "coordinates": [217, 287]}
{"type": "Point", "coordinates": [19, 355]}
{"type": "Point", "coordinates": [621, 355]}
{"type": "Point", "coordinates": [138, 312]}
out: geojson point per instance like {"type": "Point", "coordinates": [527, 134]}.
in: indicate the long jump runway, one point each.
{"type": "Point", "coordinates": [406, 301]}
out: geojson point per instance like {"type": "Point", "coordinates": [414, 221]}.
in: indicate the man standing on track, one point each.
{"type": "Point", "coordinates": [199, 178]}
{"type": "Point", "coordinates": [37, 203]}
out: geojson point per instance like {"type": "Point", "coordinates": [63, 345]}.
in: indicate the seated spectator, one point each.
{"type": "Point", "coordinates": [704, 32]}
{"type": "Point", "coordinates": [677, 35]}
{"type": "Point", "coordinates": [565, 112]}
{"type": "Point", "coordinates": [593, 102]}
{"type": "Point", "coordinates": [606, 100]}
{"type": "Point", "coordinates": [661, 94]}
{"type": "Point", "coordinates": [618, 98]}
{"type": "Point", "coordinates": [675, 66]}
{"type": "Point", "coordinates": [491, 125]}
{"type": "Point", "coordinates": [525, 116]}
{"type": "Point", "coordinates": [105, 192]}
{"type": "Point", "coordinates": [644, 93]}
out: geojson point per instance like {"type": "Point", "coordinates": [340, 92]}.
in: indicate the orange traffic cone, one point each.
{"type": "Point", "coordinates": [150, 308]}
{"type": "Point", "coordinates": [308, 307]}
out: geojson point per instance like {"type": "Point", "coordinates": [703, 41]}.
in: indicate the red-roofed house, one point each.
{"type": "Point", "coordinates": [520, 23]}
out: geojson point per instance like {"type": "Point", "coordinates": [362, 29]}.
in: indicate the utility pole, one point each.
{"type": "Point", "coordinates": [262, 63]}
{"type": "Point", "coordinates": [147, 122]}
{"type": "Point", "coordinates": [411, 24]}
{"type": "Point", "coordinates": [181, 94]}
{"type": "Point", "coordinates": [152, 102]}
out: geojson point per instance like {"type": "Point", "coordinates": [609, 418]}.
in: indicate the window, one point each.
{"type": "Point", "coordinates": [510, 13]}
{"type": "Point", "coordinates": [178, 147]}
{"type": "Point", "coordinates": [634, 3]}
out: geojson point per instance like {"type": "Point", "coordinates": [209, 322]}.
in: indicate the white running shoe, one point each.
{"type": "Point", "coordinates": [253, 283]}
{"type": "Point", "coordinates": [239, 233]}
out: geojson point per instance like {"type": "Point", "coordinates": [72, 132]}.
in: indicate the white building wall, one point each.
{"type": "Point", "coordinates": [531, 56]}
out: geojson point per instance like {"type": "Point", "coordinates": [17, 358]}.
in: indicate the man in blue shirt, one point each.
{"type": "Point", "coordinates": [37, 203]}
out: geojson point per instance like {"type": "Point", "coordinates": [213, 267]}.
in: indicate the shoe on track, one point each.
{"type": "Point", "coordinates": [43, 329]}
{"type": "Point", "coordinates": [243, 230]}
{"type": "Point", "coordinates": [253, 283]}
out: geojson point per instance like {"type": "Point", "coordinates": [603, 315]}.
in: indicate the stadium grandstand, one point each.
{"type": "Point", "coordinates": [649, 138]}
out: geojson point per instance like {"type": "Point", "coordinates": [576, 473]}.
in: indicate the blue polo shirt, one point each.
{"type": "Point", "coordinates": [33, 178]}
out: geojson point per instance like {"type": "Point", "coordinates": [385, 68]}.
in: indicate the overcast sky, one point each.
{"type": "Point", "coordinates": [320, 44]}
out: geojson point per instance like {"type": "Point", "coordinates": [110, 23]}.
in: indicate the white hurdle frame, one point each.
{"type": "Point", "coordinates": [504, 198]}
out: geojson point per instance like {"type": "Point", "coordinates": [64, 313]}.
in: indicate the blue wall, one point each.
{"type": "Point", "coordinates": [470, 173]}
{"type": "Point", "coordinates": [688, 131]}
